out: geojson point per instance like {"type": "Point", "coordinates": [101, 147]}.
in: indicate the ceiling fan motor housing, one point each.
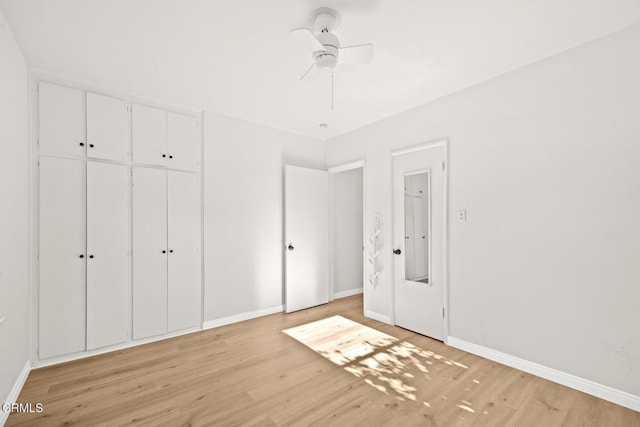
{"type": "Point", "coordinates": [329, 57]}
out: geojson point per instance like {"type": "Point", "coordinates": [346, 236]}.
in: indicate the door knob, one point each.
{"type": "Point", "coordinates": [164, 155]}
{"type": "Point", "coordinates": [90, 256]}
{"type": "Point", "coordinates": [164, 252]}
{"type": "Point", "coordinates": [170, 156]}
{"type": "Point", "coordinates": [290, 247]}
{"type": "Point", "coordinates": [81, 256]}
{"type": "Point", "coordinates": [170, 251]}
{"type": "Point", "coordinates": [82, 144]}
{"type": "Point", "coordinates": [90, 145]}
{"type": "Point", "coordinates": [397, 251]}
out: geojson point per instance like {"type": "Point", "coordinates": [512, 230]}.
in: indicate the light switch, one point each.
{"type": "Point", "coordinates": [462, 215]}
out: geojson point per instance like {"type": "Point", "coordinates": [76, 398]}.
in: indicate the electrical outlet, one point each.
{"type": "Point", "coordinates": [462, 215]}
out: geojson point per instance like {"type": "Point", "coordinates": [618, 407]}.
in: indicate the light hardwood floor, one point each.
{"type": "Point", "coordinates": [253, 374]}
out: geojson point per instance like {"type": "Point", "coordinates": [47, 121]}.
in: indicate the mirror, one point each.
{"type": "Point", "coordinates": [417, 227]}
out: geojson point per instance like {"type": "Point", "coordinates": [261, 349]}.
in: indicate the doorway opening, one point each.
{"type": "Point", "coordinates": [346, 217]}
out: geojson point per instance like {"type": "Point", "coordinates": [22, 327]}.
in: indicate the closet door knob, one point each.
{"type": "Point", "coordinates": [171, 157]}
{"type": "Point", "coordinates": [90, 256]}
{"type": "Point", "coordinates": [164, 252]}
{"type": "Point", "coordinates": [397, 251]}
{"type": "Point", "coordinates": [164, 155]}
{"type": "Point", "coordinates": [81, 256]}
{"type": "Point", "coordinates": [170, 251]}
{"type": "Point", "coordinates": [82, 144]}
{"type": "Point", "coordinates": [90, 145]}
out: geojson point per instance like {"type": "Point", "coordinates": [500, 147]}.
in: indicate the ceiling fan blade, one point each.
{"type": "Point", "coordinates": [306, 39]}
{"type": "Point", "coordinates": [356, 54]}
{"type": "Point", "coordinates": [308, 70]}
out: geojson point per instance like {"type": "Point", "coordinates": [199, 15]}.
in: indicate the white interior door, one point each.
{"type": "Point", "coordinates": [149, 134]}
{"type": "Point", "coordinates": [149, 252]}
{"type": "Point", "coordinates": [107, 127]}
{"type": "Point", "coordinates": [61, 119]}
{"type": "Point", "coordinates": [107, 250]}
{"type": "Point", "coordinates": [183, 141]}
{"type": "Point", "coordinates": [307, 237]}
{"type": "Point", "coordinates": [62, 257]}
{"type": "Point", "coordinates": [185, 284]}
{"type": "Point", "coordinates": [419, 302]}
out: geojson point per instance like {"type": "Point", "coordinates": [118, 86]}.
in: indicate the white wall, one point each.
{"type": "Point", "coordinates": [243, 212]}
{"type": "Point", "coordinates": [546, 160]}
{"type": "Point", "coordinates": [347, 231]}
{"type": "Point", "coordinates": [14, 213]}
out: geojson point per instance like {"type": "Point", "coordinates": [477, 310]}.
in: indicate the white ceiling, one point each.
{"type": "Point", "coordinates": [235, 57]}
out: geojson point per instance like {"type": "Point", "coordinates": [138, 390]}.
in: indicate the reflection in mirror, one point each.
{"type": "Point", "coordinates": [416, 227]}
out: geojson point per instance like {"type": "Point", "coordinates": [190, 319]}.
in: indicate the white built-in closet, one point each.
{"type": "Point", "coordinates": [119, 221]}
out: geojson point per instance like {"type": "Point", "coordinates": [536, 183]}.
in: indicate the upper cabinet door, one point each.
{"type": "Point", "coordinates": [149, 130]}
{"type": "Point", "coordinates": [107, 127]}
{"type": "Point", "coordinates": [61, 120]}
{"type": "Point", "coordinates": [183, 136]}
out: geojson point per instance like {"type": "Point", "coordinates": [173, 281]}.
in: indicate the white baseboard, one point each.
{"type": "Point", "coordinates": [610, 394]}
{"type": "Point", "coordinates": [377, 316]}
{"type": "Point", "coordinates": [15, 391]}
{"type": "Point", "coordinates": [347, 293]}
{"type": "Point", "coordinates": [128, 344]}
{"type": "Point", "coordinates": [222, 321]}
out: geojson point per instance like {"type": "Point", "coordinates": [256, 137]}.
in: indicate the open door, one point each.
{"type": "Point", "coordinates": [306, 238]}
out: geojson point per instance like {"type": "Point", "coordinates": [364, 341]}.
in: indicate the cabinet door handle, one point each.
{"type": "Point", "coordinates": [397, 251]}
{"type": "Point", "coordinates": [81, 256]}
{"type": "Point", "coordinates": [81, 144]}
{"type": "Point", "coordinates": [171, 157]}
{"type": "Point", "coordinates": [164, 252]}
{"type": "Point", "coordinates": [164, 155]}
{"type": "Point", "coordinates": [170, 251]}
{"type": "Point", "coordinates": [90, 256]}
{"type": "Point", "coordinates": [90, 145]}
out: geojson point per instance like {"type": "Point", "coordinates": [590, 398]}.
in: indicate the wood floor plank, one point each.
{"type": "Point", "coordinates": [253, 374]}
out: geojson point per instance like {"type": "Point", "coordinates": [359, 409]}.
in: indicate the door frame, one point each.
{"type": "Point", "coordinates": [344, 167]}
{"type": "Point", "coordinates": [445, 225]}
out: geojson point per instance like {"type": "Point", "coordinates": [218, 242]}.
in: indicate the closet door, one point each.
{"type": "Point", "coordinates": [149, 134]}
{"type": "Point", "coordinates": [149, 252]}
{"type": "Point", "coordinates": [183, 136]}
{"type": "Point", "coordinates": [185, 286]}
{"type": "Point", "coordinates": [61, 119]}
{"type": "Point", "coordinates": [62, 257]}
{"type": "Point", "coordinates": [107, 127]}
{"type": "Point", "coordinates": [107, 247]}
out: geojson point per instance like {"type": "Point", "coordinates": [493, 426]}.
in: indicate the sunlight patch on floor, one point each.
{"type": "Point", "coordinates": [381, 360]}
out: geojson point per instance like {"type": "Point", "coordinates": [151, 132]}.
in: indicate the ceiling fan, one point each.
{"type": "Point", "coordinates": [324, 46]}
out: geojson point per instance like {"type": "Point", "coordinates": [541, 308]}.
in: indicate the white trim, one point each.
{"type": "Point", "coordinates": [610, 394]}
{"type": "Point", "coordinates": [346, 166]}
{"type": "Point", "coordinates": [84, 354]}
{"type": "Point", "coordinates": [347, 293]}
{"type": "Point", "coordinates": [15, 391]}
{"type": "Point", "coordinates": [413, 149]}
{"type": "Point", "coordinates": [377, 316]}
{"type": "Point", "coordinates": [235, 318]}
